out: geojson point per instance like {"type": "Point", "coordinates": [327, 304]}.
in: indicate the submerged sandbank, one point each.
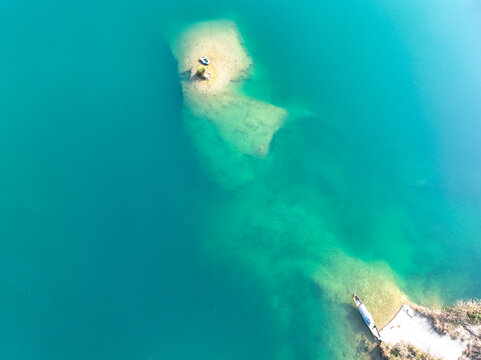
{"type": "Point", "coordinates": [341, 274]}
{"type": "Point", "coordinates": [246, 123]}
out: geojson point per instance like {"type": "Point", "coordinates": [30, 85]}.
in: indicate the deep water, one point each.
{"type": "Point", "coordinates": [119, 240]}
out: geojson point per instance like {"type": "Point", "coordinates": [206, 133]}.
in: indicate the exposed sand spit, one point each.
{"type": "Point", "coordinates": [245, 122]}
{"type": "Point", "coordinates": [221, 42]}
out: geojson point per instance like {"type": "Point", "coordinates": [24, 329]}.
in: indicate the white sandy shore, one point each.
{"type": "Point", "coordinates": [410, 327]}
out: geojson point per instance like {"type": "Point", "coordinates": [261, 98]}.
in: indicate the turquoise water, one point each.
{"type": "Point", "coordinates": [117, 241]}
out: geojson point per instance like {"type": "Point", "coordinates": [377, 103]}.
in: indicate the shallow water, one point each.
{"type": "Point", "coordinates": [121, 236]}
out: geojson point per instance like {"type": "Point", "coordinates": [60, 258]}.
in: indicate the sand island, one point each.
{"type": "Point", "coordinates": [213, 91]}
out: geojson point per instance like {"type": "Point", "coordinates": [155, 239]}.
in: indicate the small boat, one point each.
{"type": "Point", "coordinates": [204, 60]}
{"type": "Point", "coordinates": [367, 317]}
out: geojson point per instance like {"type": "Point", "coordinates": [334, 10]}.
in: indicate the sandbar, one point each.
{"type": "Point", "coordinates": [247, 123]}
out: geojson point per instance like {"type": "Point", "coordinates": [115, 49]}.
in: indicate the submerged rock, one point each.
{"type": "Point", "coordinates": [203, 73]}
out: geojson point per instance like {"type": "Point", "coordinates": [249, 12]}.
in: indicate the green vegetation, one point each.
{"type": "Point", "coordinates": [475, 317]}
{"type": "Point", "coordinates": [201, 71]}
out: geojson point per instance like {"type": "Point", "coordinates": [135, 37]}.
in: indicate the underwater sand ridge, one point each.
{"type": "Point", "coordinates": [297, 242]}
